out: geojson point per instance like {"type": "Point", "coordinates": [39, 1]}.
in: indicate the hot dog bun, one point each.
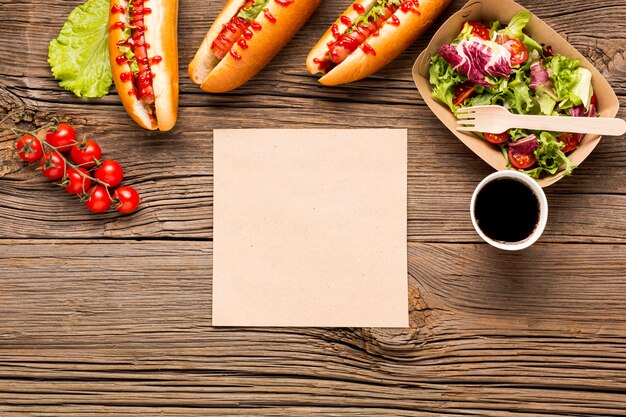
{"type": "Point", "coordinates": [391, 41]}
{"type": "Point", "coordinates": [217, 76]}
{"type": "Point", "coordinates": [161, 35]}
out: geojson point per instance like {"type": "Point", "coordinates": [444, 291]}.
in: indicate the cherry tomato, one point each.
{"type": "Point", "coordinates": [52, 165]}
{"type": "Point", "coordinates": [126, 199]}
{"type": "Point", "coordinates": [110, 172]}
{"type": "Point", "coordinates": [498, 138]}
{"type": "Point", "coordinates": [86, 153]}
{"type": "Point", "coordinates": [522, 160]}
{"type": "Point", "coordinates": [29, 148]}
{"type": "Point", "coordinates": [480, 30]}
{"type": "Point", "coordinates": [463, 92]}
{"type": "Point", "coordinates": [571, 141]}
{"type": "Point", "coordinates": [75, 183]}
{"type": "Point", "coordinates": [62, 138]}
{"type": "Point", "coordinates": [99, 199]}
{"type": "Point", "coordinates": [518, 51]}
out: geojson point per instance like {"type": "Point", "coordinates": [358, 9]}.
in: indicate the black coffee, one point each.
{"type": "Point", "coordinates": [507, 210]}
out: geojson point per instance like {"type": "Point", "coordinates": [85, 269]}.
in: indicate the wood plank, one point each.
{"type": "Point", "coordinates": [176, 181]}
{"type": "Point", "coordinates": [123, 328]}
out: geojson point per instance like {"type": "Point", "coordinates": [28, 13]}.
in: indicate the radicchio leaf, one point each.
{"type": "Point", "coordinates": [539, 76]}
{"type": "Point", "coordinates": [525, 145]}
{"type": "Point", "coordinates": [476, 59]}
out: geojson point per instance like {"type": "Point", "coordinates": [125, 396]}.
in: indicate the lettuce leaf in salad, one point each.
{"type": "Point", "coordinates": [515, 30]}
{"type": "Point", "coordinates": [250, 13]}
{"type": "Point", "coordinates": [570, 81]}
{"type": "Point", "coordinates": [550, 157]}
{"type": "Point", "coordinates": [79, 56]}
{"type": "Point", "coordinates": [444, 80]}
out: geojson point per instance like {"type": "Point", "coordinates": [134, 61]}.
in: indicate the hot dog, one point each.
{"type": "Point", "coordinates": [369, 35]}
{"type": "Point", "coordinates": [144, 59]}
{"type": "Point", "coordinates": [245, 36]}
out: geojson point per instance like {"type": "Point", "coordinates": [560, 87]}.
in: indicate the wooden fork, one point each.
{"type": "Point", "coordinates": [497, 119]}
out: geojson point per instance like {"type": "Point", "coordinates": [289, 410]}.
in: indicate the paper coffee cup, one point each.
{"type": "Point", "coordinates": [494, 226]}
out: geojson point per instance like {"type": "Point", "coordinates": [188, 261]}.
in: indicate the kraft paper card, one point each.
{"type": "Point", "coordinates": [310, 228]}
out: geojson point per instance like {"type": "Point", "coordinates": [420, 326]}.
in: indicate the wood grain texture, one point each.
{"type": "Point", "coordinates": [102, 315]}
{"type": "Point", "coordinates": [173, 170]}
{"type": "Point", "coordinates": [524, 335]}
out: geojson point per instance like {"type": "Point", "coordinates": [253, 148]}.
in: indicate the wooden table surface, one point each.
{"type": "Point", "coordinates": [107, 315]}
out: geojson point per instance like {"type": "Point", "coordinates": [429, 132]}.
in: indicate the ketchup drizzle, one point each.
{"type": "Point", "coordinates": [235, 55]}
{"type": "Point", "coordinates": [247, 34]}
{"type": "Point", "coordinates": [142, 80]}
{"type": "Point", "coordinates": [394, 20]}
{"type": "Point", "coordinates": [269, 17]}
{"type": "Point", "coordinates": [284, 2]}
{"type": "Point", "coordinates": [358, 8]}
{"type": "Point", "coordinates": [335, 30]}
{"type": "Point", "coordinates": [346, 20]}
{"type": "Point", "coordinates": [410, 6]}
{"type": "Point", "coordinates": [117, 25]}
{"type": "Point", "coordinates": [256, 26]}
{"type": "Point", "coordinates": [242, 43]}
{"type": "Point", "coordinates": [116, 8]}
{"type": "Point", "coordinates": [367, 48]}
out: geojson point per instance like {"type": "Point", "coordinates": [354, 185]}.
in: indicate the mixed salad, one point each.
{"type": "Point", "coordinates": [501, 64]}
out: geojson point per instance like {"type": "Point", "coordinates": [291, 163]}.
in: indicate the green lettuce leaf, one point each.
{"type": "Point", "coordinates": [251, 13]}
{"type": "Point", "coordinates": [515, 30]}
{"type": "Point", "coordinates": [550, 157]}
{"type": "Point", "coordinates": [565, 76]}
{"type": "Point", "coordinates": [79, 56]}
{"type": "Point", "coordinates": [444, 80]}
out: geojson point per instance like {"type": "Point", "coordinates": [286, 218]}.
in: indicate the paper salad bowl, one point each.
{"type": "Point", "coordinates": [504, 10]}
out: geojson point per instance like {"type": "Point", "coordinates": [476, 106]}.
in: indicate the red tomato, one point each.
{"type": "Point", "coordinates": [480, 30]}
{"type": "Point", "coordinates": [518, 51]}
{"type": "Point", "coordinates": [497, 138]}
{"type": "Point", "coordinates": [86, 153]}
{"type": "Point", "coordinates": [463, 92]}
{"type": "Point", "coordinates": [571, 141]}
{"type": "Point", "coordinates": [29, 148]}
{"type": "Point", "coordinates": [522, 160]}
{"type": "Point", "coordinates": [126, 199]}
{"type": "Point", "coordinates": [594, 101]}
{"type": "Point", "coordinates": [52, 165]}
{"type": "Point", "coordinates": [110, 172]}
{"type": "Point", "coordinates": [99, 199]}
{"type": "Point", "coordinates": [62, 138]}
{"type": "Point", "coordinates": [76, 183]}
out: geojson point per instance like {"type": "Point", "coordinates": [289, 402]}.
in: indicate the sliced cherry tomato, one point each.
{"type": "Point", "coordinates": [463, 92]}
{"type": "Point", "coordinates": [126, 199]}
{"type": "Point", "coordinates": [76, 183]}
{"type": "Point", "coordinates": [522, 160]}
{"type": "Point", "coordinates": [110, 172]}
{"type": "Point", "coordinates": [86, 153]}
{"type": "Point", "coordinates": [99, 199]}
{"type": "Point", "coordinates": [571, 141]}
{"type": "Point", "coordinates": [497, 138]}
{"type": "Point", "coordinates": [518, 51]}
{"type": "Point", "coordinates": [29, 148]}
{"type": "Point", "coordinates": [479, 29]}
{"type": "Point", "coordinates": [52, 165]}
{"type": "Point", "coordinates": [62, 138]}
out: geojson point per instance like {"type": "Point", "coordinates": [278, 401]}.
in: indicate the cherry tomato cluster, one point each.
{"type": "Point", "coordinates": [79, 167]}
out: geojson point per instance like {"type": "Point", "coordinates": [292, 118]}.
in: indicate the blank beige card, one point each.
{"type": "Point", "coordinates": [309, 228]}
